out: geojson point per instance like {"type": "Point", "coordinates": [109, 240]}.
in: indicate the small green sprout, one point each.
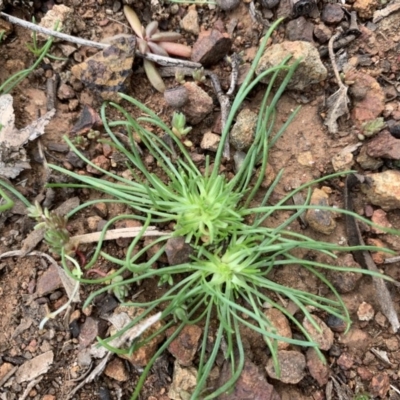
{"type": "Point", "coordinates": [199, 75]}
{"type": "Point", "coordinates": [180, 129]}
{"type": "Point", "coordinates": [56, 234]}
{"type": "Point", "coordinates": [179, 77]}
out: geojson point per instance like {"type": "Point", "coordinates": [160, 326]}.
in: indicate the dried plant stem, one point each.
{"type": "Point", "coordinates": [332, 56]}
{"type": "Point", "coordinates": [165, 61]}
{"type": "Point", "coordinates": [116, 234]}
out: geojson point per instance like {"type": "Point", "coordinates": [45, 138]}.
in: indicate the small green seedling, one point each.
{"type": "Point", "coordinates": [180, 129]}
{"type": "Point", "coordinates": [199, 75]}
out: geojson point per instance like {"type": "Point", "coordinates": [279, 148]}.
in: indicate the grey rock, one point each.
{"type": "Point", "coordinates": [292, 366]}
{"type": "Point", "coordinates": [300, 29]}
{"type": "Point", "coordinates": [242, 133]}
{"type": "Point", "coordinates": [322, 33]}
{"type": "Point", "coordinates": [310, 70]}
{"type": "Point", "coordinates": [332, 13]}
{"type": "Point", "coordinates": [366, 162]}
{"type": "Point", "coordinates": [177, 251]}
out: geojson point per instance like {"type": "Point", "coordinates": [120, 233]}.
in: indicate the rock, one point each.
{"type": "Point", "coordinates": [116, 370]}
{"type": "Point", "coordinates": [190, 22]}
{"type": "Point", "coordinates": [395, 130]}
{"type": "Point", "coordinates": [65, 92]}
{"type": "Point", "coordinates": [5, 368]}
{"type": "Point", "coordinates": [306, 159]}
{"type": "Point", "coordinates": [345, 361]}
{"type": "Point", "coordinates": [251, 384]}
{"type": "Point", "coordinates": [184, 346]}
{"type": "Point", "coordinates": [332, 13]}
{"type": "Point", "coordinates": [322, 33]}
{"type": "Point", "coordinates": [281, 324]}
{"type": "Point", "coordinates": [379, 217]}
{"type": "Point", "coordinates": [383, 189]}
{"type": "Point", "coordinates": [199, 104]}
{"type": "Point", "coordinates": [75, 160]}
{"type": "Point", "coordinates": [101, 162]}
{"type": "Point", "coordinates": [210, 141]}
{"type": "Point", "coordinates": [392, 344]}
{"type": "Point", "coordinates": [336, 323]}
{"type": "Point", "coordinates": [59, 15]}
{"type": "Point", "coordinates": [324, 339]}
{"type": "Point", "coordinates": [242, 132]}
{"type": "Point", "coordinates": [365, 312]}
{"type": "Point", "coordinates": [90, 329]}
{"type": "Point", "coordinates": [33, 368]}
{"type": "Point", "coordinates": [268, 4]}
{"type": "Point", "coordinates": [342, 161]}
{"type": "Point", "coordinates": [384, 145]}
{"type": "Point", "coordinates": [177, 251]}
{"type": "Point", "coordinates": [48, 282]}
{"type": "Point", "coordinates": [227, 5]}
{"type": "Point", "coordinates": [380, 385]}
{"type": "Point", "coordinates": [380, 319]}
{"type": "Point", "coordinates": [292, 365]}
{"type": "Point", "coordinates": [310, 70]}
{"type": "Point", "coordinates": [269, 175]}
{"type": "Point", "coordinates": [100, 209]}
{"type": "Point", "coordinates": [142, 356]}
{"type": "Point", "coordinates": [319, 370]}
{"type": "Point", "coordinates": [370, 106]}
{"type": "Point", "coordinates": [107, 72]}
{"type": "Point", "coordinates": [184, 381]}
{"type": "Point", "coordinates": [176, 97]}
{"type": "Point", "coordinates": [365, 8]}
{"type": "Point", "coordinates": [320, 220]}
{"type": "Point", "coordinates": [365, 374]}
{"type": "Point", "coordinates": [366, 162]}
{"type": "Point", "coordinates": [210, 47]}
{"type": "Point", "coordinates": [345, 281]}
{"type": "Point", "coordinates": [300, 29]}
{"type": "Point", "coordinates": [49, 397]}
{"type": "Point", "coordinates": [355, 338]}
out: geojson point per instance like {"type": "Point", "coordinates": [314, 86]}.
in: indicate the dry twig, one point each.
{"type": "Point", "coordinates": [165, 61]}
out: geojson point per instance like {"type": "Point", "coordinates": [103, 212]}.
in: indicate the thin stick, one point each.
{"type": "Point", "coordinates": [165, 61]}
{"type": "Point", "coordinates": [116, 234]}
{"type": "Point", "coordinates": [332, 56]}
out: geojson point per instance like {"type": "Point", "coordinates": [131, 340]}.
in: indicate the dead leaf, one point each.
{"type": "Point", "coordinates": [13, 158]}
{"type": "Point", "coordinates": [337, 103]}
{"type": "Point", "coordinates": [337, 107]}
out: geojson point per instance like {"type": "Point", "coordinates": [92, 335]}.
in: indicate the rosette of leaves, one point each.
{"type": "Point", "coordinates": [151, 40]}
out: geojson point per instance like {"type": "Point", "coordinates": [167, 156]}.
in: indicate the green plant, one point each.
{"type": "Point", "coordinates": [199, 75]}
{"type": "Point", "coordinates": [227, 275]}
{"type": "Point", "coordinates": [151, 40]}
{"type": "Point", "coordinates": [15, 79]}
{"type": "Point", "coordinates": [179, 128]}
{"type": "Point", "coordinates": [36, 50]}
